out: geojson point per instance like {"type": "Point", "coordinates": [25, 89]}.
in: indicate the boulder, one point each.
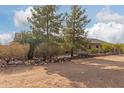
{"type": "Point", "coordinates": [3, 63]}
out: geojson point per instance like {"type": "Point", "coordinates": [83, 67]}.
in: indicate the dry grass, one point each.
{"type": "Point", "coordinates": [35, 76]}
{"type": "Point", "coordinates": [105, 71]}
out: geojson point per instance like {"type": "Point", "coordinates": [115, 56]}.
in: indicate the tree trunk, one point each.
{"type": "Point", "coordinates": [73, 34]}
{"type": "Point", "coordinates": [47, 28]}
{"type": "Point", "coordinates": [72, 52]}
{"type": "Point", "coordinates": [31, 51]}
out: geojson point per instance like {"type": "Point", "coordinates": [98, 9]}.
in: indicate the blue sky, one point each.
{"type": "Point", "coordinates": [8, 11]}
{"type": "Point", "coordinates": [7, 17]}
{"type": "Point", "coordinates": [95, 13]}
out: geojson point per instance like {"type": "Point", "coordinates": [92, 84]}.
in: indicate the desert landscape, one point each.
{"type": "Point", "coordinates": [61, 46]}
{"type": "Point", "coordinates": [106, 71]}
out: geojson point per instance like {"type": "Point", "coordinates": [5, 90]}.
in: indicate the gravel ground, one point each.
{"type": "Point", "coordinates": [107, 71]}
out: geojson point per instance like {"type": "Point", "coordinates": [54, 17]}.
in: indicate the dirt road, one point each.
{"type": "Point", "coordinates": [105, 71]}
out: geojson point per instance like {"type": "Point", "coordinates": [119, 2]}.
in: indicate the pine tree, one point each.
{"type": "Point", "coordinates": [45, 25]}
{"type": "Point", "coordinates": [75, 35]}
{"type": "Point", "coordinates": [48, 22]}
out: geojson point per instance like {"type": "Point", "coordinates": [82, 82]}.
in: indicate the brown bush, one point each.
{"type": "Point", "coordinates": [51, 50]}
{"type": "Point", "coordinates": [14, 50]}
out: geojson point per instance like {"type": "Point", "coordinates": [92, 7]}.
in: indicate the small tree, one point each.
{"type": "Point", "coordinates": [32, 38]}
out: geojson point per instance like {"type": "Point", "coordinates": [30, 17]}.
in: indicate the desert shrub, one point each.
{"type": "Point", "coordinates": [51, 50]}
{"type": "Point", "coordinates": [94, 50]}
{"type": "Point", "coordinates": [107, 48]}
{"type": "Point", "coordinates": [122, 47]}
{"type": "Point", "coordinates": [14, 50]}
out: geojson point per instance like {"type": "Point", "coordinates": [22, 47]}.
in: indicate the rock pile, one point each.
{"type": "Point", "coordinates": [41, 61]}
{"type": "Point", "coordinates": [3, 63]}
{"type": "Point", "coordinates": [35, 61]}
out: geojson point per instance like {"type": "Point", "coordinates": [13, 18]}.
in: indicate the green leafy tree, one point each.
{"type": "Point", "coordinates": [75, 35]}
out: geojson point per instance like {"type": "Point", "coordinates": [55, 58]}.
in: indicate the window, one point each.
{"type": "Point", "coordinates": [97, 46]}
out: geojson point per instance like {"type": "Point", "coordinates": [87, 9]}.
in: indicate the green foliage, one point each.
{"type": "Point", "coordinates": [30, 38]}
{"type": "Point", "coordinates": [45, 24]}
{"type": "Point", "coordinates": [74, 33]}
{"type": "Point", "coordinates": [46, 21]}
{"type": "Point", "coordinates": [122, 47]}
{"type": "Point", "coordinates": [46, 33]}
{"type": "Point", "coordinates": [118, 46]}
{"type": "Point", "coordinates": [94, 50]}
{"type": "Point", "coordinates": [107, 48]}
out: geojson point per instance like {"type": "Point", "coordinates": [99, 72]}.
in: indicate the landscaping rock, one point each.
{"type": "Point", "coordinates": [3, 63]}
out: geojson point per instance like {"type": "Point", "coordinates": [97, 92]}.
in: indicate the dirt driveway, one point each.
{"type": "Point", "coordinates": [107, 71]}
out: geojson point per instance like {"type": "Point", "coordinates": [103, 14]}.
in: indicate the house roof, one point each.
{"type": "Point", "coordinates": [93, 40]}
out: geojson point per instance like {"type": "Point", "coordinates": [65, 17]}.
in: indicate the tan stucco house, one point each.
{"type": "Point", "coordinates": [95, 43]}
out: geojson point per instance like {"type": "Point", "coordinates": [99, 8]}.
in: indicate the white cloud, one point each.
{"type": "Point", "coordinates": [110, 27]}
{"type": "Point", "coordinates": [106, 15]}
{"type": "Point", "coordinates": [6, 38]}
{"type": "Point", "coordinates": [20, 17]}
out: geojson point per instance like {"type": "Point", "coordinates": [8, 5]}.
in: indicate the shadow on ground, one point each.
{"type": "Point", "coordinates": [90, 72]}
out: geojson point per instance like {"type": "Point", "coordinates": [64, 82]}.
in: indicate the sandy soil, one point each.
{"type": "Point", "coordinates": [107, 71]}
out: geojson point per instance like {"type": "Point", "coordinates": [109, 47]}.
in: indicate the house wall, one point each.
{"type": "Point", "coordinates": [94, 45]}
{"type": "Point", "coordinates": [99, 46]}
